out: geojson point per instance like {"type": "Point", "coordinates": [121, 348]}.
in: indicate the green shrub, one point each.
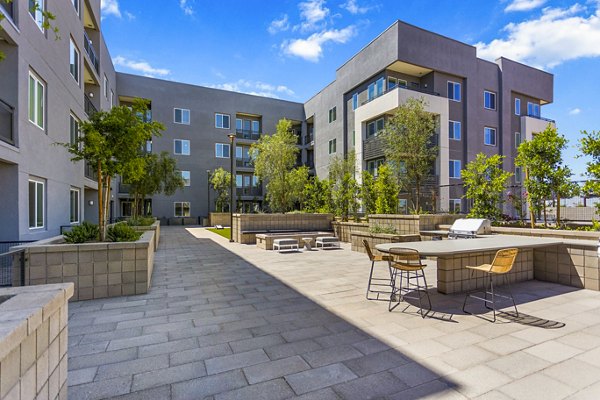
{"type": "Point", "coordinates": [383, 229]}
{"type": "Point", "coordinates": [86, 232]}
{"type": "Point", "coordinates": [122, 233]}
{"type": "Point", "coordinates": [140, 221]}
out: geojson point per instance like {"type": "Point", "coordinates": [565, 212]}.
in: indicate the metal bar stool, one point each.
{"type": "Point", "coordinates": [388, 281]}
{"type": "Point", "coordinates": [407, 263]}
{"type": "Point", "coordinates": [501, 265]}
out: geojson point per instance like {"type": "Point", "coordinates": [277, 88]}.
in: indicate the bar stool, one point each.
{"type": "Point", "coordinates": [407, 263]}
{"type": "Point", "coordinates": [375, 258]}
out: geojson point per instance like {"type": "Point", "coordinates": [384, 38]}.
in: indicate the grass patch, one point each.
{"type": "Point", "coordinates": [225, 232]}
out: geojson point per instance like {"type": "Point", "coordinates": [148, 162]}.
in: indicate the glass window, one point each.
{"type": "Point", "coordinates": [332, 114]}
{"type": "Point", "coordinates": [332, 146]}
{"type": "Point", "coordinates": [36, 203]}
{"type": "Point", "coordinates": [533, 110]}
{"type": "Point", "coordinates": [35, 10]}
{"type": "Point", "coordinates": [489, 100]}
{"type": "Point", "coordinates": [454, 169]}
{"type": "Point", "coordinates": [379, 89]}
{"type": "Point", "coordinates": [380, 124]}
{"type": "Point", "coordinates": [105, 86]}
{"type": "Point", "coordinates": [221, 150]}
{"type": "Point", "coordinates": [489, 136]}
{"type": "Point", "coordinates": [255, 126]}
{"type": "Point", "coordinates": [517, 106]}
{"type": "Point", "coordinates": [371, 92]}
{"type": "Point", "coordinates": [238, 181]}
{"type": "Point", "coordinates": [36, 100]}
{"type": "Point", "coordinates": [454, 130]}
{"type": "Point", "coordinates": [73, 129]}
{"type": "Point", "coordinates": [222, 121]}
{"type": "Point", "coordinates": [454, 91]}
{"type": "Point", "coordinates": [186, 176]}
{"type": "Point", "coordinates": [518, 175]}
{"type": "Point", "coordinates": [74, 61]}
{"type": "Point", "coordinates": [182, 208]}
{"type": "Point", "coordinates": [373, 166]}
{"type": "Point", "coordinates": [355, 101]}
{"type": "Point", "coordinates": [182, 116]}
{"type": "Point", "coordinates": [455, 205]}
{"type": "Point", "coordinates": [76, 6]}
{"type": "Point", "coordinates": [126, 208]}
{"type": "Point", "coordinates": [255, 181]}
{"type": "Point", "coordinates": [403, 205]}
{"type": "Point", "coordinates": [74, 202]}
{"type": "Point", "coordinates": [182, 147]}
{"type": "Point", "coordinates": [392, 83]}
{"type": "Point", "coordinates": [517, 139]}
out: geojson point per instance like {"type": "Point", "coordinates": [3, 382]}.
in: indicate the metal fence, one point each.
{"type": "Point", "coordinates": [7, 269]}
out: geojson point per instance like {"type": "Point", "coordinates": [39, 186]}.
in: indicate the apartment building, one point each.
{"type": "Point", "coordinates": [48, 86]}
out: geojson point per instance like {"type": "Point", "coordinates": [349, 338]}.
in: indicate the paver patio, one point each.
{"type": "Point", "coordinates": [229, 321]}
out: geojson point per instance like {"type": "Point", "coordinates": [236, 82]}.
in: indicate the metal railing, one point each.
{"type": "Point", "coordinates": [414, 89]}
{"type": "Point", "coordinates": [7, 113]}
{"type": "Point", "coordinates": [88, 107]}
{"type": "Point", "coordinates": [7, 261]}
{"type": "Point", "coordinates": [308, 139]}
{"type": "Point", "coordinates": [91, 52]}
{"type": "Point", "coordinates": [8, 9]}
{"type": "Point", "coordinates": [247, 134]}
{"type": "Point", "coordinates": [124, 187]}
{"type": "Point", "coordinates": [89, 172]}
{"type": "Point", "coordinates": [541, 118]}
{"type": "Point", "coordinates": [243, 162]}
{"type": "Point", "coordinates": [249, 191]}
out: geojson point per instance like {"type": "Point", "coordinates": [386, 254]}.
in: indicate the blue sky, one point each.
{"type": "Point", "coordinates": [291, 49]}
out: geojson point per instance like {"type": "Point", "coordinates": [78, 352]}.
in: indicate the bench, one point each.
{"type": "Point", "coordinates": [281, 244]}
{"type": "Point", "coordinates": [328, 241]}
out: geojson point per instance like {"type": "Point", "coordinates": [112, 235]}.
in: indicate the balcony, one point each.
{"type": "Point", "coordinates": [249, 191]}
{"type": "Point", "coordinates": [243, 162]}
{"type": "Point", "coordinates": [89, 107]}
{"type": "Point", "coordinates": [124, 187]}
{"type": "Point", "coordinates": [247, 134]}
{"type": "Point", "coordinates": [414, 89]}
{"type": "Point", "coordinates": [89, 172]}
{"type": "Point", "coordinates": [91, 52]}
{"type": "Point", "coordinates": [8, 9]}
{"type": "Point", "coordinates": [309, 140]}
{"type": "Point", "coordinates": [373, 148]}
{"type": "Point", "coordinates": [541, 118]}
{"type": "Point", "coordinates": [6, 122]}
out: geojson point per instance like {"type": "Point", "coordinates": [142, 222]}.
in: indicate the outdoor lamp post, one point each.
{"type": "Point", "coordinates": [231, 137]}
{"type": "Point", "coordinates": [208, 195]}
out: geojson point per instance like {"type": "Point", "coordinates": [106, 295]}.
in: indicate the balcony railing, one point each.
{"type": "Point", "coordinates": [249, 191]}
{"type": "Point", "coordinates": [415, 89]}
{"type": "Point", "coordinates": [541, 118]}
{"type": "Point", "coordinates": [6, 123]}
{"type": "Point", "coordinates": [89, 172]}
{"type": "Point", "coordinates": [8, 9]}
{"type": "Point", "coordinates": [243, 162]}
{"type": "Point", "coordinates": [124, 187]}
{"type": "Point", "coordinates": [89, 107]}
{"type": "Point", "coordinates": [308, 139]}
{"type": "Point", "coordinates": [247, 134]}
{"type": "Point", "coordinates": [89, 49]}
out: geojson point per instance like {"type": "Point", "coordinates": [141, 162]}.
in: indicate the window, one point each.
{"type": "Point", "coordinates": [105, 86]}
{"type": "Point", "coordinates": [517, 139]}
{"type": "Point", "coordinates": [455, 205]}
{"type": "Point", "coordinates": [373, 166]}
{"type": "Point", "coordinates": [403, 205]}
{"type": "Point", "coordinates": [517, 106]}
{"type": "Point", "coordinates": [454, 91]}
{"type": "Point", "coordinates": [533, 110]}
{"type": "Point", "coordinates": [239, 181]}
{"type": "Point", "coordinates": [126, 208]}
{"type": "Point", "coordinates": [332, 114]}
{"type": "Point", "coordinates": [221, 150]}
{"type": "Point", "coordinates": [374, 127]}
{"type": "Point", "coordinates": [74, 202]}
{"type": "Point", "coordinates": [332, 146]}
{"type": "Point", "coordinates": [148, 146]}
{"type": "Point", "coordinates": [489, 100]}
{"type": "Point", "coordinates": [35, 10]}
{"type": "Point", "coordinates": [454, 130]}
{"type": "Point", "coordinates": [375, 89]}
{"type": "Point", "coordinates": [255, 126]}
{"type": "Point", "coordinates": [182, 147]}
{"type": "Point", "coordinates": [222, 121]}
{"type": "Point", "coordinates": [454, 169]}
{"type": "Point", "coordinates": [395, 82]}
{"type": "Point", "coordinates": [518, 175]}
{"type": "Point", "coordinates": [36, 203]}
{"type": "Point", "coordinates": [37, 100]}
{"type": "Point", "coordinates": [182, 208]}
{"type": "Point", "coordinates": [371, 92]}
{"type": "Point", "coordinates": [355, 101]}
{"type": "Point", "coordinates": [182, 116]}
{"type": "Point", "coordinates": [489, 136]}
{"type": "Point", "coordinates": [73, 129]}
{"type": "Point", "coordinates": [185, 175]}
{"type": "Point", "coordinates": [74, 61]}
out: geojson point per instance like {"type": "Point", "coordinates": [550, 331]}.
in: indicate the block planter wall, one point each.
{"type": "Point", "coordinates": [246, 226]}
{"type": "Point", "coordinates": [154, 227]}
{"type": "Point", "coordinates": [379, 238]}
{"type": "Point", "coordinates": [343, 230]}
{"type": "Point", "coordinates": [97, 270]}
{"type": "Point", "coordinates": [405, 224]}
{"type": "Point", "coordinates": [219, 219]}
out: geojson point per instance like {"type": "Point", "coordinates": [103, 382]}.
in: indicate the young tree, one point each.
{"type": "Point", "coordinates": [317, 196]}
{"type": "Point", "coordinates": [589, 145]}
{"type": "Point", "coordinates": [110, 142]}
{"type": "Point", "coordinates": [161, 176]}
{"type": "Point", "coordinates": [408, 144]}
{"type": "Point", "coordinates": [274, 159]}
{"type": "Point", "coordinates": [367, 192]}
{"type": "Point", "coordinates": [386, 190]}
{"type": "Point", "coordinates": [344, 189]}
{"type": "Point", "coordinates": [220, 181]}
{"type": "Point", "coordinates": [485, 182]}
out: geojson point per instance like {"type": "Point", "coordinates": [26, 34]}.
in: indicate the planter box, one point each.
{"type": "Point", "coordinates": [406, 224]}
{"type": "Point", "coordinates": [219, 219]}
{"type": "Point", "coordinates": [379, 238]}
{"type": "Point", "coordinates": [97, 270]}
{"type": "Point", "coordinates": [154, 227]}
{"type": "Point", "coordinates": [344, 229]}
{"type": "Point", "coordinates": [246, 226]}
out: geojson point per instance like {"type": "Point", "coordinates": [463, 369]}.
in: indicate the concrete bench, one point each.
{"type": "Point", "coordinates": [328, 241]}
{"type": "Point", "coordinates": [283, 244]}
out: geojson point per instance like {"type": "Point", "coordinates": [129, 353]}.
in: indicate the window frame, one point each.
{"type": "Point", "coordinates": [517, 106]}
{"type": "Point", "coordinates": [222, 146]}
{"type": "Point", "coordinates": [355, 101]}
{"type": "Point", "coordinates": [36, 107]}
{"type": "Point", "coordinates": [189, 208]}
{"type": "Point", "coordinates": [485, 131]}
{"type": "Point", "coordinates": [491, 95]}
{"type": "Point", "coordinates": [182, 122]}
{"type": "Point", "coordinates": [74, 121]}
{"type": "Point", "coordinates": [77, 203]}
{"type": "Point", "coordinates": [186, 181]}
{"type": "Point", "coordinates": [38, 15]}
{"type": "Point", "coordinates": [105, 87]}
{"type": "Point", "coordinates": [453, 170]}
{"type": "Point", "coordinates": [217, 115]}
{"type": "Point", "coordinates": [518, 174]}
{"type": "Point", "coordinates": [452, 205]}
{"type": "Point", "coordinates": [453, 130]}
{"type": "Point", "coordinates": [182, 147]}
{"type": "Point", "coordinates": [77, 6]}
{"type": "Point", "coordinates": [37, 183]}
{"type": "Point", "coordinates": [534, 107]}
{"type": "Point", "coordinates": [332, 114]}
{"type": "Point", "coordinates": [454, 85]}
{"type": "Point", "coordinates": [332, 144]}
{"type": "Point", "coordinates": [518, 142]}
{"type": "Point", "coordinates": [76, 55]}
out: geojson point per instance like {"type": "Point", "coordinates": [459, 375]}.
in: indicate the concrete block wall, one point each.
{"type": "Point", "coordinates": [154, 227]}
{"type": "Point", "coordinates": [223, 219]}
{"type": "Point", "coordinates": [257, 223]}
{"type": "Point", "coordinates": [568, 264]}
{"type": "Point", "coordinates": [343, 230]}
{"type": "Point", "coordinates": [412, 223]}
{"type": "Point", "coordinates": [34, 342]}
{"type": "Point", "coordinates": [379, 238]}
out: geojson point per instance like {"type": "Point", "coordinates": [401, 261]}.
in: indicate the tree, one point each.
{"type": "Point", "coordinates": [545, 172]}
{"type": "Point", "coordinates": [317, 196]}
{"type": "Point", "coordinates": [589, 145]}
{"type": "Point", "coordinates": [274, 159]}
{"type": "Point", "coordinates": [220, 181]}
{"type": "Point", "coordinates": [408, 145]}
{"type": "Point", "coordinates": [344, 189]}
{"type": "Point", "coordinates": [386, 190]}
{"type": "Point", "coordinates": [485, 182]}
{"type": "Point", "coordinates": [111, 142]}
{"type": "Point", "coordinates": [161, 176]}
{"type": "Point", "coordinates": [367, 192]}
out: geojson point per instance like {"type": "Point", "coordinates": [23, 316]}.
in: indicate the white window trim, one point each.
{"type": "Point", "coordinates": [189, 116]}
{"type": "Point", "coordinates": [495, 100]}
{"type": "Point", "coordinates": [495, 136]}
{"type": "Point", "coordinates": [189, 180]}
{"type": "Point", "coordinates": [518, 142]}
{"type": "Point", "coordinates": [40, 23]}
{"type": "Point", "coordinates": [175, 147]}
{"type": "Point", "coordinates": [460, 91]}
{"type": "Point", "coordinates": [223, 145]}
{"type": "Point", "coordinates": [76, 190]}
{"type": "Point", "coordinates": [71, 115]}
{"type": "Point", "coordinates": [453, 123]}
{"type": "Point", "coordinates": [454, 162]}
{"type": "Point", "coordinates": [452, 204]}
{"type": "Point", "coordinates": [77, 6]}
{"type": "Point", "coordinates": [38, 181]}
{"type": "Point", "coordinates": [175, 208]}
{"type": "Point", "coordinates": [73, 46]}
{"type": "Point", "coordinates": [37, 80]}
{"type": "Point", "coordinates": [517, 109]}
{"type": "Point", "coordinates": [222, 115]}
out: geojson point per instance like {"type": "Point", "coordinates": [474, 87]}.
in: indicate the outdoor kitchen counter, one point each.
{"type": "Point", "coordinates": [453, 255]}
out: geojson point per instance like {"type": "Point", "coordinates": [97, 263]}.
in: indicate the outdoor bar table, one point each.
{"type": "Point", "coordinates": [453, 255]}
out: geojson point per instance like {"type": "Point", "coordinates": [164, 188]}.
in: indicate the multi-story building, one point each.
{"type": "Point", "coordinates": [47, 86]}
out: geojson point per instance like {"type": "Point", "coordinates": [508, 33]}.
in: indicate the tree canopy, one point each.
{"type": "Point", "coordinates": [386, 191]}
{"type": "Point", "coordinates": [220, 181]}
{"type": "Point", "coordinates": [344, 188]}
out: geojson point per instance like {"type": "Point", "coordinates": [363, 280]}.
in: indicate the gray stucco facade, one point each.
{"type": "Point", "coordinates": [421, 62]}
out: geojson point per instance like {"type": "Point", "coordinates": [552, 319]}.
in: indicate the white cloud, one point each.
{"type": "Point", "coordinates": [140, 66]}
{"type": "Point", "coordinates": [575, 111]}
{"type": "Point", "coordinates": [313, 14]}
{"type": "Point", "coordinates": [558, 35]}
{"type": "Point", "coordinates": [279, 25]}
{"type": "Point", "coordinates": [185, 7]}
{"type": "Point", "coordinates": [110, 7]}
{"type": "Point", "coordinates": [129, 16]}
{"type": "Point", "coordinates": [524, 5]}
{"type": "Point", "coordinates": [353, 8]}
{"type": "Point", "coordinates": [311, 48]}
{"type": "Point", "coordinates": [256, 88]}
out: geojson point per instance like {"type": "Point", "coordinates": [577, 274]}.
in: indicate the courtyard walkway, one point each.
{"type": "Point", "coordinates": [230, 321]}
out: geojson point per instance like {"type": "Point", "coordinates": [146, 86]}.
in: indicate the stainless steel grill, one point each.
{"type": "Point", "coordinates": [469, 228]}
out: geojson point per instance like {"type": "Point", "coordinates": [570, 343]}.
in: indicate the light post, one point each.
{"type": "Point", "coordinates": [231, 137]}
{"type": "Point", "coordinates": [208, 196]}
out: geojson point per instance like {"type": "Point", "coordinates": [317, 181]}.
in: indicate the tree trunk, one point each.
{"type": "Point", "coordinates": [418, 202]}
{"type": "Point", "coordinates": [529, 202]}
{"type": "Point", "coordinates": [106, 199]}
{"type": "Point", "coordinates": [557, 210]}
{"type": "Point", "coordinates": [100, 202]}
{"type": "Point", "coordinates": [545, 215]}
